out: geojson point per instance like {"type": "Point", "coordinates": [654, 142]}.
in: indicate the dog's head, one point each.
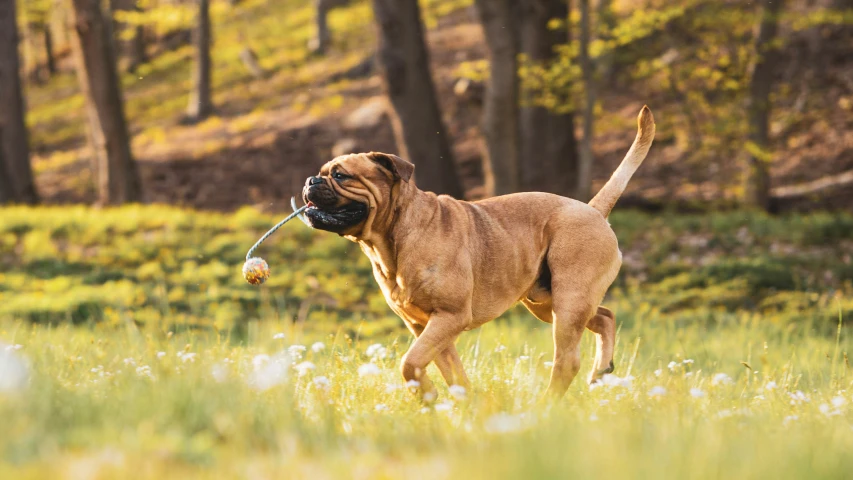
{"type": "Point", "coordinates": [352, 191]}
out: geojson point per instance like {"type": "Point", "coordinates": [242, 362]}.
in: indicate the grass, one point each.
{"type": "Point", "coordinates": [124, 403]}
{"type": "Point", "coordinates": [712, 309]}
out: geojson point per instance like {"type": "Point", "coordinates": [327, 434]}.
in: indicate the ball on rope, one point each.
{"type": "Point", "coordinates": [256, 270]}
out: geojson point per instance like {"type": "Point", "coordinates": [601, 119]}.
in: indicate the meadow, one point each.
{"type": "Point", "coordinates": [149, 357]}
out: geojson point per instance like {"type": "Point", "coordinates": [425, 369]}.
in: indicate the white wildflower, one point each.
{"type": "Point", "coordinates": [672, 365]}
{"type": "Point", "coordinates": [424, 410]}
{"type": "Point", "coordinates": [413, 384]}
{"type": "Point", "coordinates": [368, 369]}
{"type": "Point", "coordinates": [381, 407]}
{"type": "Point", "coordinates": [11, 348]}
{"type": "Point", "coordinates": [457, 391]}
{"type": "Point", "coordinates": [161, 354]}
{"type": "Point", "coordinates": [798, 397]}
{"type": "Point", "coordinates": [129, 361]}
{"type": "Point", "coordinates": [504, 423]}
{"type": "Point", "coordinates": [838, 401]}
{"type": "Point", "coordinates": [658, 372]}
{"type": "Point", "coordinates": [548, 364]}
{"type": "Point", "coordinates": [376, 351]}
{"type": "Point", "coordinates": [657, 391]}
{"type": "Point", "coordinates": [721, 379]}
{"type": "Point", "coordinates": [429, 397]}
{"type": "Point", "coordinates": [771, 385]}
{"type": "Point", "coordinates": [687, 361]}
{"type": "Point", "coordinates": [260, 360]}
{"type": "Point", "coordinates": [296, 351]}
{"type": "Point", "coordinates": [187, 356]}
{"type": "Point", "coordinates": [500, 348]}
{"type": "Point", "coordinates": [270, 371]}
{"type": "Point", "coordinates": [443, 406]}
{"type": "Point", "coordinates": [611, 380]}
{"type": "Point", "coordinates": [219, 372]}
{"type": "Point", "coordinates": [278, 336]}
{"type": "Point", "coordinates": [318, 347]}
{"type": "Point", "coordinates": [697, 393]}
{"type": "Point", "coordinates": [322, 382]}
{"type": "Point", "coordinates": [523, 358]}
{"type": "Point", "coordinates": [303, 368]}
{"type": "Point", "coordinates": [14, 370]}
{"type": "Point", "coordinates": [392, 387]}
{"type": "Point", "coordinates": [824, 408]}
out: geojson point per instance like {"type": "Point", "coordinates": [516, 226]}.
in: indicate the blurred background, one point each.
{"type": "Point", "coordinates": [218, 104]}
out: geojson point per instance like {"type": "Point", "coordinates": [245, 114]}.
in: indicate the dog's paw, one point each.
{"type": "Point", "coordinates": [597, 375]}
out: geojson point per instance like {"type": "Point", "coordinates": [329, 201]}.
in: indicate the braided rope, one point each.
{"type": "Point", "coordinates": [273, 229]}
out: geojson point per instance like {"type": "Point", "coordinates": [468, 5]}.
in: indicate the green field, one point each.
{"type": "Point", "coordinates": [150, 358]}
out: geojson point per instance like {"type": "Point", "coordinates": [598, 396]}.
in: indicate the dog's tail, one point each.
{"type": "Point", "coordinates": [606, 198]}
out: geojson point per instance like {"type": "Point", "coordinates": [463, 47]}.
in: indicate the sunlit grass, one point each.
{"type": "Point", "coordinates": [748, 400]}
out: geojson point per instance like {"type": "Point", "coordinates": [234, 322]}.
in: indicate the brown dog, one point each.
{"type": "Point", "coordinates": [446, 266]}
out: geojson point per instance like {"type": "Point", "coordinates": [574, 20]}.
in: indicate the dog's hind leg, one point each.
{"type": "Point", "coordinates": [571, 315]}
{"type": "Point", "coordinates": [603, 325]}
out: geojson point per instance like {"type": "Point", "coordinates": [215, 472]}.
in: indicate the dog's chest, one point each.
{"type": "Point", "coordinates": [400, 298]}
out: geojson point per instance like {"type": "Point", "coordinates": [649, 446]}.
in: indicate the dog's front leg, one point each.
{"type": "Point", "coordinates": [436, 338]}
{"type": "Point", "coordinates": [447, 361]}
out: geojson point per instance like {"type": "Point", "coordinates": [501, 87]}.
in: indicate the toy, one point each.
{"type": "Point", "coordinates": [256, 270]}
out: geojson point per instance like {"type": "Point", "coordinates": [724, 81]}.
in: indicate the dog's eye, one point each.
{"type": "Point", "coordinates": [339, 176]}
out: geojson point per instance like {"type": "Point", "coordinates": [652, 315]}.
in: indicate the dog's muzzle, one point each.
{"type": "Point", "coordinates": [324, 213]}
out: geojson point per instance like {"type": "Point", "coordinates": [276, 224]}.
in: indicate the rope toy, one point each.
{"type": "Point", "coordinates": [256, 270]}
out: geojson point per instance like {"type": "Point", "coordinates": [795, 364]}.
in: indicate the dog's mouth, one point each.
{"type": "Point", "coordinates": [335, 219]}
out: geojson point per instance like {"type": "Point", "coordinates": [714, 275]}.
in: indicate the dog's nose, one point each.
{"type": "Point", "coordinates": [313, 181]}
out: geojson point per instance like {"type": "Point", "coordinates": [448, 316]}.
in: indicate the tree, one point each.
{"type": "Point", "coordinates": [500, 114]}
{"type": "Point", "coordinates": [201, 104]}
{"type": "Point", "coordinates": [14, 148]}
{"type": "Point", "coordinates": [92, 42]}
{"type": "Point", "coordinates": [416, 119]}
{"type": "Point", "coordinates": [131, 38]}
{"type": "Point", "coordinates": [548, 146]}
{"type": "Point", "coordinates": [582, 189]}
{"type": "Point", "coordinates": [758, 110]}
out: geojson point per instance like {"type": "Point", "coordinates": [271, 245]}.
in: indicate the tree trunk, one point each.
{"type": "Point", "coordinates": [757, 189]}
{"type": "Point", "coordinates": [6, 193]}
{"type": "Point", "coordinates": [418, 128]}
{"type": "Point", "coordinates": [201, 104]}
{"type": "Point", "coordinates": [548, 146]}
{"type": "Point", "coordinates": [500, 114]}
{"type": "Point", "coordinates": [118, 179]}
{"type": "Point", "coordinates": [320, 42]}
{"type": "Point", "coordinates": [586, 158]}
{"type": "Point", "coordinates": [14, 146]}
{"type": "Point", "coordinates": [50, 60]}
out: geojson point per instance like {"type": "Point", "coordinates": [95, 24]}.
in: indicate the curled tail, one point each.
{"type": "Point", "coordinates": [606, 198]}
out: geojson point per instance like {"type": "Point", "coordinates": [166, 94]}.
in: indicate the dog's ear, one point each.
{"type": "Point", "coordinates": [400, 168]}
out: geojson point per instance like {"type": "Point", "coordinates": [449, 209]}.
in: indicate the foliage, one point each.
{"type": "Point", "coordinates": [161, 268]}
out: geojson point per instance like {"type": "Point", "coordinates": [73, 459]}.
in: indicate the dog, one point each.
{"type": "Point", "coordinates": [446, 266]}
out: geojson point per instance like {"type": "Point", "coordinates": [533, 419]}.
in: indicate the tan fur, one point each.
{"type": "Point", "coordinates": [446, 266]}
